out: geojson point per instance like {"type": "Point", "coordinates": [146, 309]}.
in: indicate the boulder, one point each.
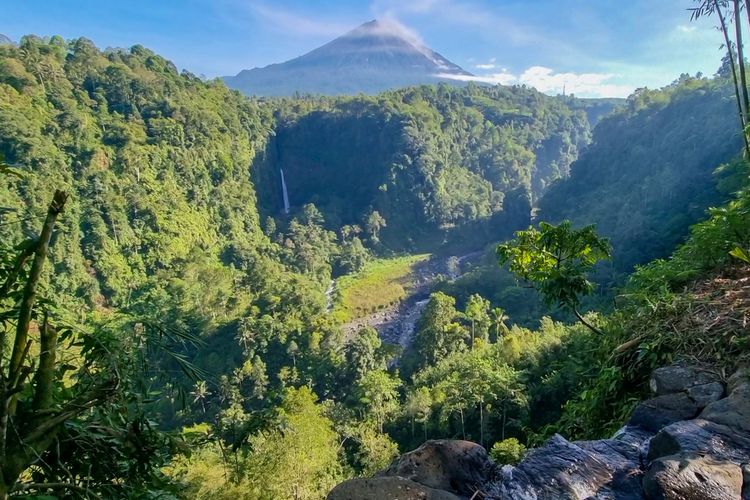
{"type": "Point", "coordinates": [655, 413]}
{"type": "Point", "coordinates": [563, 470]}
{"type": "Point", "coordinates": [703, 395]}
{"type": "Point", "coordinates": [741, 376]}
{"type": "Point", "coordinates": [746, 482]}
{"type": "Point", "coordinates": [672, 379]}
{"type": "Point", "coordinates": [692, 477]}
{"type": "Point", "coordinates": [732, 411]}
{"type": "Point", "coordinates": [460, 467]}
{"type": "Point", "coordinates": [701, 436]}
{"type": "Point", "coordinates": [637, 437]}
{"type": "Point", "coordinates": [390, 488]}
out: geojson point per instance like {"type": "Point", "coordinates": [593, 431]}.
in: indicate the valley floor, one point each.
{"type": "Point", "coordinates": [396, 322]}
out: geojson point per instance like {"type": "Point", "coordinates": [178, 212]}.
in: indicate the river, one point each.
{"type": "Point", "coordinates": [397, 324]}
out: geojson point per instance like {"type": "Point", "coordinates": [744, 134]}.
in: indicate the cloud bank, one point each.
{"type": "Point", "coordinates": [547, 81]}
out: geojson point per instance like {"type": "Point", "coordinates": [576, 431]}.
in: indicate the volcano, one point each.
{"type": "Point", "coordinates": [376, 56]}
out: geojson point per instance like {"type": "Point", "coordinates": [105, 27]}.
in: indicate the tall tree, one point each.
{"type": "Point", "coordinates": [477, 312]}
{"type": "Point", "coordinates": [437, 333]}
{"type": "Point", "coordinates": [364, 353]}
{"type": "Point", "coordinates": [556, 259]}
{"type": "Point", "coordinates": [378, 393]}
{"type": "Point", "coordinates": [708, 7]}
{"type": "Point", "coordinates": [740, 56]}
{"type": "Point", "coordinates": [374, 223]}
{"type": "Point", "coordinates": [498, 319]}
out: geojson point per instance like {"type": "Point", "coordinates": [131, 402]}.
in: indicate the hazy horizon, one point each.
{"type": "Point", "coordinates": [592, 50]}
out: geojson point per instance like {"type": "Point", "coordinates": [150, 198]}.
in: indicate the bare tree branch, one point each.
{"type": "Point", "coordinates": [29, 293]}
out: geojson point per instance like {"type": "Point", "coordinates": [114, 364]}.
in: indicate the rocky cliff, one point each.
{"type": "Point", "coordinates": [690, 441]}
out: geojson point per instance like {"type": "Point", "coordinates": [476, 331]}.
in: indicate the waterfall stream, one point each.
{"type": "Point", "coordinates": [329, 295]}
{"type": "Point", "coordinates": [284, 192]}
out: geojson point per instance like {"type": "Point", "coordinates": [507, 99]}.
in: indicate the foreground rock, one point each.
{"type": "Point", "coordinates": [692, 477]}
{"type": "Point", "coordinates": [391, 488]}
{"type": "Point", "coordinates": [443, 467]}
{"type": "Point", "coordinates": [688, 442]}
{"type": "Point", "coordinates": [460, 467]}
{"type": "Point", "coordinates": [561, 469]}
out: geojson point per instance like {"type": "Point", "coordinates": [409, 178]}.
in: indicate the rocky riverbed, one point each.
{"type": "Point", "coordinates": [690, 441]}
{"type": "Point", "coordinates": [396, 324]}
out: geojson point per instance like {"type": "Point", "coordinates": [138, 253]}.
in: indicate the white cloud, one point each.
{"type": "Point", "coordinates": [489, 65]}
{"type": "Point", "coordinates": [684, 28]}
{"type": "Point", "coordinates": [547, 81]}
{"type": "Point", "coordinates": [392, 26]}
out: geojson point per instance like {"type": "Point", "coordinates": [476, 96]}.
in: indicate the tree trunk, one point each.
{"type": "Point", "coordinates": [29, 292]}
{"type": "Point", "coordinates": [741, 58]}
{"type": "Point", "coordinates": [481, 424]}
{"type": "Point", "coordinates": [730, 54]}
{"type": "Point", "coordinates": [14, 460]}
{"type": "Point", "coordinates": [463, 429]}
{"type": "Point", "coordinates": [45, 374]}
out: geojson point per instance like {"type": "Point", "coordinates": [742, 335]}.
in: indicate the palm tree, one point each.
{"type": "Point", "coordinates": [201, 393]}
{"type": "Point", "coordinates": [498, 319]}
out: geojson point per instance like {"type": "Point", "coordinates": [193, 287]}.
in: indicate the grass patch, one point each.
{"type": "Point", "coordinates": [383, 282]}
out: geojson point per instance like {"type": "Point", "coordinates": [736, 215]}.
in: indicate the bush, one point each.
{"type": "Point", "coordinates": [508, 451]}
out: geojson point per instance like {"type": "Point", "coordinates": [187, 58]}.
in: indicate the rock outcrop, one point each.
{"type": "Point", "coordinates": [456, 466]}
{"type": "Point", "coordinates": [692, 477]}
{"type": "Point", "coordinates": [441, 467]}
{"type": "Point", "coordinates": [388, 487]}
{"type": "Point", "coordinates": [691, 441]}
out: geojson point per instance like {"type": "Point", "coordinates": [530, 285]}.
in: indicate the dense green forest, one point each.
{"type": "Point", "coordinates": [193, 353]}
{"type": "Point", "coordinates": [649, 172]}
{"type": "Point", "coordinates": [429, 160]}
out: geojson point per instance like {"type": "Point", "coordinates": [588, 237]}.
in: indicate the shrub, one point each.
{"type": "Point", "coordinates": [507, 451]}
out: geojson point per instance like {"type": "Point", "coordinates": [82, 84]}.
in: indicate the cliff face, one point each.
{"type": "Point", "coordinates": [690, 441]}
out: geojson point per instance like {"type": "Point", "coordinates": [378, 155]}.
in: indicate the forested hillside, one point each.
{"type": "Point", "coordinates": [175, 334]}
{"type": "Point", "coordinates": [161, 225]}
{"type": "Point", "coordinates": [156, 162]}
{"type": "Point", "coordinates": [653, 168]}
{"type": "Point", "coordinates": [428, 159]}
{"type": "Point", "coordinates": [649, 172]}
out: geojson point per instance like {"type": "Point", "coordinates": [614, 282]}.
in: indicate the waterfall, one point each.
{"type": "Point", "coordinates": [284, 193]}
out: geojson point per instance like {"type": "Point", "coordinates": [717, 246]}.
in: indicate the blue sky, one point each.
{"type": "Point", "coordinates": [593, 47]}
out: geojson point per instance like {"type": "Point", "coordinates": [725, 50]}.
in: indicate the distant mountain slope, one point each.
{"type": "Point", "coordinates": [648, 174]}
{"type": "Point", "coordinates": [4, 40]}
{"type": "Point", "coordinates": [376, 56]}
